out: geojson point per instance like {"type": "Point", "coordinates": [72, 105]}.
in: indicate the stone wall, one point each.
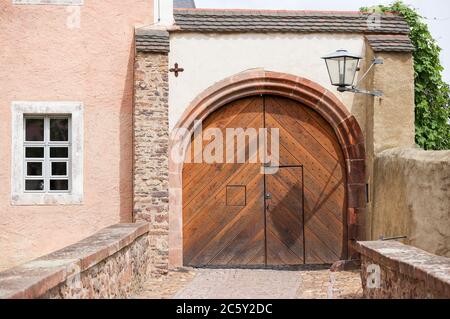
{"type": "Point", "coordinates": [412, 198]}
{"type": "Point", "coordinates": [110, 264]}
{"type": "Point", "coordinates": [391, 270]}
{"type": "Point", "coordinates": [151, 142]}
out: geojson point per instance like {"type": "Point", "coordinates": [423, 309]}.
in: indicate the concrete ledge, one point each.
{"type": "Point", "coordinates": [36, 278]}
{"type": "Point", "coordinates": [406, 271]}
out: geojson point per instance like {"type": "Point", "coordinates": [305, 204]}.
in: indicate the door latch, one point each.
{"type": "Point", "coordinates": [267, 196]}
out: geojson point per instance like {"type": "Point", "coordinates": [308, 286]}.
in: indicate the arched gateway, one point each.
{"type": "Point", "coordinates": [303, 212]}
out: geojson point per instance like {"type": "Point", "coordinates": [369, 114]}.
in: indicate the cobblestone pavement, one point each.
{"type": "Point", "coordinates": [308, 283]}
{"type": "Point", "coordinates": [165, 287]}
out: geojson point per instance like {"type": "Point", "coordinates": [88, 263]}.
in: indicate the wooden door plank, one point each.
{"type": "Point", "coordinates": [305, 136]}
{"type": "Point", "coordinates": [200, 173]}
{"type": "Point", "coordinates": [284, 215]}
{"type": "Point", "coordinates": [216, 225]}
{"type": "Point", "coordinates": [215, 230]}
{"type": "Point", "coordinates": [215, 233]}
{"type": "Point", "coordinates": [310, 122]}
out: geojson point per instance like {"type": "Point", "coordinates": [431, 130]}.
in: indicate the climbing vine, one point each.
{"type": "Point", "coordinates": [432, 94]}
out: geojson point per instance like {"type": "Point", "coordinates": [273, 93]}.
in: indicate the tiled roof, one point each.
{"type": "Point", "coordinates": [152, 41]}
{"type": "Point", "coordinates": [183, 3]}
{"type": "Point", "coordinates": [390, 43]}
{"type": "Point", "coordinates": [215, 20]}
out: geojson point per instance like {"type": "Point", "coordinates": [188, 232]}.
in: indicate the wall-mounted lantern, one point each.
{"type": "Point", "coordinates": [342, 67]}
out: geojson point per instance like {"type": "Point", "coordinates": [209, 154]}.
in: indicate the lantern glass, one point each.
{"type": "Point", "coordinates": [335, 70]}
{"type": "Point", "coordinates": [342, 67]}
{"type": "Point", "coordinates": [351, 65]}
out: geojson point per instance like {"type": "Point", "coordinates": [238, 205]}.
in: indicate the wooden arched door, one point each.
{"type": "Point", "coordinates": [234, 214]}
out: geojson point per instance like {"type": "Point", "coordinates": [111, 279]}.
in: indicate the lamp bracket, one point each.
{"type": "Point", "coordinates": [378, 61]}
{"type": "Point", "coordinates": [376, 93]}
{"type": "Point", "coordinates": [375, 61]}
{"type": "Point", "coordinates": [355, 89]}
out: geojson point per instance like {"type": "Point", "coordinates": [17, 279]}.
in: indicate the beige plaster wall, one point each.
{"type": "Point", "coordinates": [393, 113]}
{"type": "Point", "coordinates": [43, 58]}
{"type": "Point", "coordinates": [412, 198]}
{"type": "Point", "coordinates": [389, 119]}
{"type": "Point", "coordinates": [209, 58]}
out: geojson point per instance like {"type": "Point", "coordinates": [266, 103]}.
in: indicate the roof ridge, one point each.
{"type": "Point", "coordinates": [225, 10]}
{"type": "Point", "coordinates": [243, 20]}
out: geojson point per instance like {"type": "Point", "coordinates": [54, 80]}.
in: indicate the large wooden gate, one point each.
{"type": "Point", "coordinates": [235, 215]}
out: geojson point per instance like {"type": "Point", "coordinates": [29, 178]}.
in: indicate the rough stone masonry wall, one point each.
{"type": "Point", "coordinates": [110, 264]}
{"type": "Point", "coordinates": [115, 277]}
{"type": "Point", "coordinates": [412, 198]}
{"type": "Point", "coordinates": [151, 143]}
{"type": "Point", "coordinates": [391, 270]}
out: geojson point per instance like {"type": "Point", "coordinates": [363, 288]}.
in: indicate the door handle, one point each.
{"type": "Point", "coordinates": [268, 196]}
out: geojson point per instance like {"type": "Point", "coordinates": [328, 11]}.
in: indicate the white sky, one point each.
{"type": "Point", "coordinates": [437, 13]}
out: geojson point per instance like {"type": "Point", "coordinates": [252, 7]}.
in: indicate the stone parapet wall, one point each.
{"type": "Point", "coordinates": [391, 270]}
{"type": "Point", "coordinates": [151, 158]}
{"type": "Point", "coordinates": [411, 197]}
{"type": "Point", "coordinates": [110, 264]}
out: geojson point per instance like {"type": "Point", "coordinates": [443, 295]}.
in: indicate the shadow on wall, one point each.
{"type": "Point", "coordinates": [362, 109]}
{"type": "Point", "coordinates": [126, 143]}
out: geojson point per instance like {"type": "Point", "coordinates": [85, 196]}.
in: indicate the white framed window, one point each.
{"type": "Point", "coordinates": [47, 153]}
{"type": "Point", "coordinates": [47, 150]}
{"type": "Point", "coordinates": [54, 2]}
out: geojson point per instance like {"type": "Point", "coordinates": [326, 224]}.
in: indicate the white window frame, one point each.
{"type": "Point", "coordinates": [47, 160]}
{"type": "Point", "coordinates": [51, 2]}
{"type": "Point", "coordinates": [22, 110]}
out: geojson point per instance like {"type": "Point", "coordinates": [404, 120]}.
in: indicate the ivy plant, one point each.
{"type": "Point", "coordinates": [432, 94]}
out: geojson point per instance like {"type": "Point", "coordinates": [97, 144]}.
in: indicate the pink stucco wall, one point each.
{"type": "Point", "coordinates": [41, 59]}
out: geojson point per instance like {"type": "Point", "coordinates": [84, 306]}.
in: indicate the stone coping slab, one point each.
{"type": "Point", "coordinates": [410, 261]}
{"type": "Point", "coordinates": [33, 279]}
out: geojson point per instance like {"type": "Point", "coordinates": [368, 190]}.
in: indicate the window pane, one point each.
{"type": "Point", "coordinates": [59, 129]}
{"type": "Point", "coordinates": [335, 69]}
{"type": "Point", "coordinates": [59, 185]}
{"type": "Point", "coordinates": [34, 130]}
{"type": "Point", "coordinates": [59, 169]}
{"type": "Point", "coordinates": [350, 70]}
{"type": "Point", "coordinates": [34, 152]}
{"type": "Point", "coordinates": [34, 169]}
{"type": "Point", "coordinates": [34, 185]}
{"type": "Point", "coordinates": [59, 152]}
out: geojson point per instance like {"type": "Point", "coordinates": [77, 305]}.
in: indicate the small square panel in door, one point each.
{"type": "Point", "coordinates": [284, 216]}
{"type": "Point", "coordinates": [236, 195]}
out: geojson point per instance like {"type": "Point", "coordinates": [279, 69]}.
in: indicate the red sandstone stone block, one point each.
{"type": "Point", "coordinates": [356, 171]}
{"type": "Point", "coordinates": [356, 195]}
{"type": "Point", "coordinates": [356, 151]}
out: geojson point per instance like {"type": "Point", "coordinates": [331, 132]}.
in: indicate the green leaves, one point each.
{"type": "Point", "coordinates": [432, 94]}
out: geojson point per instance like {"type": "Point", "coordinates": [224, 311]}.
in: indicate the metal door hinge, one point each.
{"type": "Point", "coordinates": [367, 193]}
